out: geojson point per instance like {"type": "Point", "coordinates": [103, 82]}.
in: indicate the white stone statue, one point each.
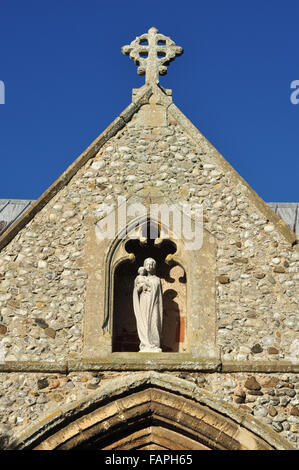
{"type": "Point", "coordinates": [148, 307]}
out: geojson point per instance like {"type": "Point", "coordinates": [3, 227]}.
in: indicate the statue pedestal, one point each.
{"type": "Point", "coordinates": [150, 350]}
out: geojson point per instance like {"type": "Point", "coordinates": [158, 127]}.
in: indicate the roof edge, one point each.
{"type": "Point", "coordinates": [195, 135]}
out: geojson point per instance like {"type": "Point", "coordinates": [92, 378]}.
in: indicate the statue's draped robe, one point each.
{"type": "Point", "coordinates": [148, 308]}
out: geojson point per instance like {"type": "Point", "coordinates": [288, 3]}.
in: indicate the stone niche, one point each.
{"type": "Point", "coordinates": [188, 278]}
{"type": "Point", "coordinates": [173, 277]}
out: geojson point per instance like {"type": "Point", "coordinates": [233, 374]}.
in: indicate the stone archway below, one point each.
{"type": "Point", "coordinates": [146, 411]}
{"type": "Point", "coordinates": [153, 417]}
{"type": "Point", "coordinates": [156, 438]}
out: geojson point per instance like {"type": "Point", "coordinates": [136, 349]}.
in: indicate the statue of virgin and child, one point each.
{"type": "Point", "coordinates": [148, 307]}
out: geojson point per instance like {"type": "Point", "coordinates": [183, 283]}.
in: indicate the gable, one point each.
{"type": "Point", "coordinates": [43, 261]}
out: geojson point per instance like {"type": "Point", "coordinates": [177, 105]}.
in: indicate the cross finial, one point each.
{"type": "Point", "coordinates": [152, 52]}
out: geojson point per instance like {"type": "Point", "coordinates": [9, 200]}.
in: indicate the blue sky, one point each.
{"type": "Point", "coordinates": [66, 81]}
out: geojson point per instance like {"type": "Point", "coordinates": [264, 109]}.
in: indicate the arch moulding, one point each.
{"type": "Point", "coordinates": [149, 410]}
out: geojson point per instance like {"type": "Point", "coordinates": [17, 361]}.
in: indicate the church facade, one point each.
{"type": "Point", "coordinates": [226, 373]}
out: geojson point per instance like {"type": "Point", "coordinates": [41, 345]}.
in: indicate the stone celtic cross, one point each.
{"type": "Point", "coordinates": [152, 52]}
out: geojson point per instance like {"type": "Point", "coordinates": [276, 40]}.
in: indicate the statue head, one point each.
{"type": "Point", "coordinates": [142, 271]}
{"type": "Point", "coordinates": [150, 265]}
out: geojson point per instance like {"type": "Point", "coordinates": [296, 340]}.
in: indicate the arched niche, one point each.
{"type": "Point", "coordinates": [106, 259]}
{"type": "Point", "coordinates": [173, 278]}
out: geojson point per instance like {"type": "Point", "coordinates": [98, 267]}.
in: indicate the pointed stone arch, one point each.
{"type": "Point", "coordinates": [119, 254]}
{"type": "Point", "coordinates": [120, 280]}
{"type": "Point", "coordinates": [149, 411]}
